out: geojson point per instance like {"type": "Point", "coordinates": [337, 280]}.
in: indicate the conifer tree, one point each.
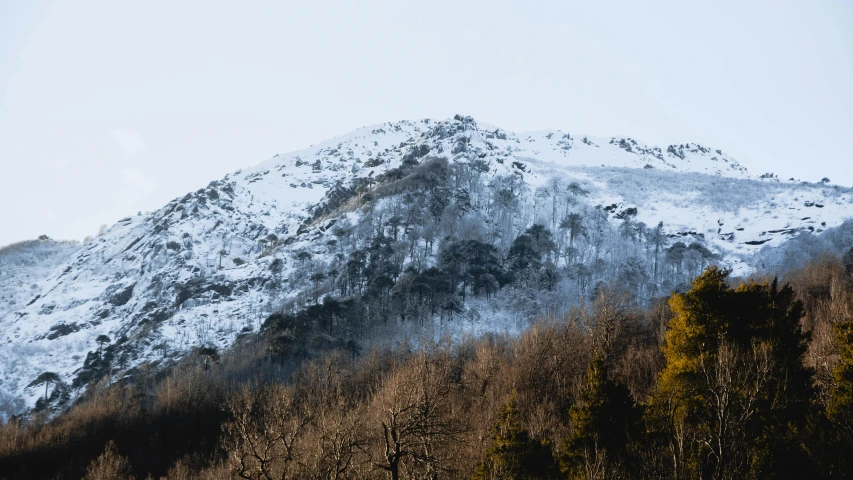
{"type": "Point", "coordinates": [605, 421]}
{"type": "Point", "coordinates": [735, 378]}
{"type": "Point", "coordinates": [840, 408]}
{"type": "Point", "coordinates": [45, 378]}
{"type": "Point", "coordinates": [830, 436]}
{"type": "Point", "coordinates": [513, 454]}
{"type": "Point", "coordinates": [772, 316]}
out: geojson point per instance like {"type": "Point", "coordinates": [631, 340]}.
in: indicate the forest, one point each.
{"type": "Point", "coordinates": [727, 379]}
{"type": "Point", "coordinates": [589, 345]}
{"type": "Point", "coordinates": [434, 239]}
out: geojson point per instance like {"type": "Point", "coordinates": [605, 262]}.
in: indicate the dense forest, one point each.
{"type": "Point", "coordinates": [726, 379]}
{"type": "Point", "coordinates": [453, 230]}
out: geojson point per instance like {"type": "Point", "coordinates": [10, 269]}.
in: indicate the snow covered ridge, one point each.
{"type": "Point", "coordinates": [212, 265]}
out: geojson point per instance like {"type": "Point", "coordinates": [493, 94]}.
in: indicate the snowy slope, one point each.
{"type": "Point", "coordinates": [213, 264]}
{"type": "Point", "coordinates": [24, 265]}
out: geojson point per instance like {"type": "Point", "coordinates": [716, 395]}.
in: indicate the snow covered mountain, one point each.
{"type": "Point", "coordinates": [212, 265]}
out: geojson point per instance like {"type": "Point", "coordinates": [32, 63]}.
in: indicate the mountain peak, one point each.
{"type": "Point", "coordinates": [209, 267]}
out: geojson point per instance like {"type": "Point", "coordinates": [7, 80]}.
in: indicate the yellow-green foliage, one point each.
{"type": "Point", "coordinates": [700, 318]}
{"type": "Point", "coordinates": [841, 405]}
{"type": "Point", "coordinates": [734, 375]}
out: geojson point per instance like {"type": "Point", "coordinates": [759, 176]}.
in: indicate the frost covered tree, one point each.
{"type": "Point", "coordinates": [573, 225]}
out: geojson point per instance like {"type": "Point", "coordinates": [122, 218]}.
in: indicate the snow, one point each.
{"type": "Point", "coordinates": [265, 213]}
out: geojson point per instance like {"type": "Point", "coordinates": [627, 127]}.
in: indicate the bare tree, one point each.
{"type": "Point", "coordinates": [413, 410]}
{"type": "Point", "coordinates": [339, 439]}
{"type": "Point", "coordinates": [109, 466]}
{"type": "Point", "coordinates": [262, 439]}
{"type": "Point", "coordinates": [731, 384]}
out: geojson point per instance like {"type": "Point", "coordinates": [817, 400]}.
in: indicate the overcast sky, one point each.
{"type": "Point", "coordinates": [111, 107]}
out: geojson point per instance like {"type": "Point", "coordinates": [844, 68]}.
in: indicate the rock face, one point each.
{"type": "Point", "coordinates": [213, 264]}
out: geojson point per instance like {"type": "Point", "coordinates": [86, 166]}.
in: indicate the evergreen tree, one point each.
{"type": "Point", "coordinates": [829, 434]}
{"type": "Point", "coordinates": [573, 224]}
{"type": "Point", "coordinates": [840, 408]}
{"type": "Point", "coordinates": [527, 250]}
{"type": "Point", "coordinates": [772, 315]}
{"type": "Point", "coordinates": [605, 422]}
{"type": "Point", "coordinates": [522, 255]}
{"type": "Point", "coordinates": [736, 380]}
{"type": "Point", "coordinates": [657, 238]}
{"type": "Point", "coordinates": [542, 240]}
{"type": "Point", "coordinates": [513, 455]}
{"type": "Point", "coordinates": [45, 378]}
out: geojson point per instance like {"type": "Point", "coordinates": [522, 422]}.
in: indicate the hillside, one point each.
{"type": "Point", "coordinates": [379, 217]}
{"type": "Point", "coordinates": [24, 265]}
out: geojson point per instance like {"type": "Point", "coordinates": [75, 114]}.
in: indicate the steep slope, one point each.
{"type": "Point", "coordinates": [212, 265]}
{"type": "Point", "coordinates": [24, 265]}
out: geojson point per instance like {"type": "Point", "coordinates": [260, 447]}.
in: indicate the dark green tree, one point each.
{"type": "Point", "coordinates": [45, 378]}
{"type": "Point", "coordinates": [474, 264]}
{"type": "Point", "coordinates": [513, 455]}
{"type": "Point", "coordinates": [840, 408]}
{"type": "Point", "coordinates": [736, 378]}
{"type": "Point", "coordinates": [573, 224]}
{"type": "Point", "coordinates": [606, 423]}
{"type": "Point", "coordinates": [542, 240]}
{"type": "Point", "coordinates": [527, 251]}
{"type": "Point", "coordinates": [102, 340]}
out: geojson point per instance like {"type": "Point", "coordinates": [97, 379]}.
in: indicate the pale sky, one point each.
{"type": "Point", "coordinates": [111, 107]}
